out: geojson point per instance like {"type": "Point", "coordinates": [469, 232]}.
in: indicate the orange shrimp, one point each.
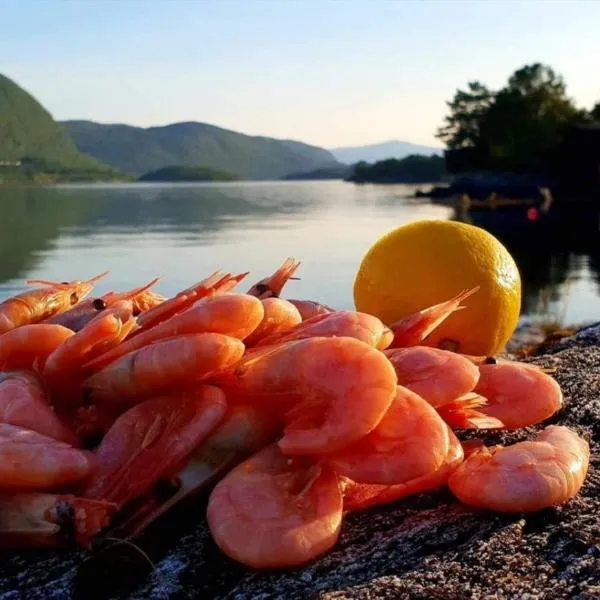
{"type": "Point", "coordinates": [309, 308]}
{"type": "Point", "coordinates": [236, 315]}
{"type": "Point", "coordinates": [42, 303]}
{"type": "Point", "coordinates": [410, 441]}
{"type": "Point", "coordinates": [436, 375]}
{"type": "Point", "coordinates": [34, 519]}
{"type": "Point", "coordinates": [445, 380]}
{"type": "Point", "coordinates": [245, 430]}
{"type": "Point", "coordinates": [29, 346]}
{"type": "Point", "coordinates": [23, 403]}
{"type": "Point", "coordinates": [360, 496]}
{"type": "Point", "coordinates": [413, 329]}
{"type": "Point", "coordinates": [217, 283]}
{"type": "Point", "coordinates": [32, 461]}
{"type": "Point", "coordinates": [151, 440]}
{"type": "Point", "coordinates": [525, 477]}
{"type": "Point", "coordinates": [272, 511]}
{"type": "Point", "coordinates": [518, 394]}
{"type": "Point", "coordinates": [64, 373]}
{"type": "Point", "coordinates": [344, 323]}
{"type": "Point", "coordinates": [329, 391]}
{"type": "Point", "coordinates": [279, 317]}
{"type": "Point", "coordinates": [80, 315]}
{"type": "Point", "coordinates": [106, 331]}
{"type": "Point", "coordinates": [271, 286]}
{"type": "Point", "coordinates": [166, 365]}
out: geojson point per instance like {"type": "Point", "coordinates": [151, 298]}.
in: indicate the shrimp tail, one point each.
{"type": "Point", "coordinates": [413, 329]}
{"type": "Point", "coordinates": [131, 294]}
{"type": "Point", "coordinates": [462, 413]}
{"type": "Point", "coordinates": [39, 519]}
{"type": "Point", "coordinates": [231, 282]}
{"type": "Point", "coordinates": [216, 283]}
{"type": "Point", "coordinates": [270, 287]}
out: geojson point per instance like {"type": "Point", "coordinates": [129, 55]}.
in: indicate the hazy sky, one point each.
{"type": "Point", "coordinates": [329, 72]}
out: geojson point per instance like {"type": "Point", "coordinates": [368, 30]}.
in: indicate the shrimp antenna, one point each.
{"type": "Point", "coordinates": [130, 544]}
{"type": "Point", "coordinates": [65, 284]}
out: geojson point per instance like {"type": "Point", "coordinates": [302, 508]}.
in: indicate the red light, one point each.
{"type": "Point", "coordinates": [533, 214]}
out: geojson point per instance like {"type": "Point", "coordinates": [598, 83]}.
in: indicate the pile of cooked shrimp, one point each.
{"type": "Point", "coordinates": [115, 408]}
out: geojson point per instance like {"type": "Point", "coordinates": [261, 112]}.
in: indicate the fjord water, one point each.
{"type": "Point", "coordinates": [183, 232]}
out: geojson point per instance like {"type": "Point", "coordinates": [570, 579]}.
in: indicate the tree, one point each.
{"type": "Point", "coordinates": [466, 111]}
{"type": "Point", "coordinates": [519, 126]}
{"type": "Point", "coordinates": [595, 112]}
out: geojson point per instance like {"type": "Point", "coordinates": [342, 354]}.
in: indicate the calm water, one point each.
{"type": "Point", "coordinates": [183, 232]}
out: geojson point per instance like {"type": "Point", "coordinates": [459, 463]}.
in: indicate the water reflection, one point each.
{"type": "Point", "coordinates": [558, 256]}
{"type": "Point", "coordinates": [183, 232]}
{"type": "Point", "coordinates": [35, 218]}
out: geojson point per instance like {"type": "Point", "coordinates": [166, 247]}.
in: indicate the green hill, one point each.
{"type": "Point", "coordinates": [33, 144]}
{"type": "Point", "coordinates": [138, 150]}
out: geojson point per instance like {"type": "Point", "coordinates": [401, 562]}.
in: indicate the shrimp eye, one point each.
{"type": "Point", "coordinates": [490, 360]}
{"type": "Point", "coordinates": [99, 304]}
{"type": "Point", "coordinates": [74, 298]}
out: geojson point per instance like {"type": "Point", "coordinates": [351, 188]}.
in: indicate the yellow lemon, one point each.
{"type": "Point", "coordinates": [424, 263]}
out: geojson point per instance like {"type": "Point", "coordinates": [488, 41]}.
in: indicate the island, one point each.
{"type": "Point", "coordinates": [185, 173]}
{"type": "Point", "coordinates": [415, 168]}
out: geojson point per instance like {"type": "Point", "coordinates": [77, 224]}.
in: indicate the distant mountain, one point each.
{"type": "Point", "coordinates": [140, 150]}
{"type": "Point", "coordinates": [375, 152]}
{"type": "Point", "coordinates": [29, 134]}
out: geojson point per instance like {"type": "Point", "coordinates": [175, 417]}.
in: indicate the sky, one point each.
{"type": "Point", "coordinates": [327, 72]}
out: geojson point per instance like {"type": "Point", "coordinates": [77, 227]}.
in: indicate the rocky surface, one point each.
{"type": "Point", "coordinates": [426, 547]}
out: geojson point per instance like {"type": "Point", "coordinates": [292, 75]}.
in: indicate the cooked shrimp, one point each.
{"type": "Point", "coordinates": [236, 315]}
{"type": "Point", "coordinates": [29, 346]}
{"type": "Point", "coordinates": [360, 496]}
{"type": "Point", "coordinates": [35, 519]}
{"type": "Point", "coordinates": [410, 441]}
{"type": "Point", "coordinates": [245, 430]}
{"type": "Point", "coordinates": [309, 309]}
{"type": "Point", "coordinates": [344, 323]}
{"type": "Point", "coordinates": [167, 365]}
{"type": "Point", "coordinates": [436, 375]}
{"type": "Point", "coordinates": [445, 380]}
{"type": "Point", "coordinates": [333, 391]}
{"type": "Point", "coordinates": [23, 403]}
{"type": "Point", "coordinates": [272, 511]}
{"type": "Point", "coordinates": [413, 329]}
{"type": "Point", "coordinates": [525, 477]}
{"type": "Point", "coordinates": [151, 440]}
{"type": "Point", "coordinates": [271, 286]}
{"type": "Point", "coordinates": [80, 315]}
{"type": "Point", "coordinates": [64, 371]}
{"type": "Point", "coordinates": [214, 284]}
{"type": "Point", "coordinates": [32, 461]}
{"type": "Point", "coordinates": [42, 303]}
{"type": "Point", "coordinates": [518, 394]}
{"type": "Point", "coordinates": [279, 317]}
{"type": "Point", "coordinates": [103, 333]}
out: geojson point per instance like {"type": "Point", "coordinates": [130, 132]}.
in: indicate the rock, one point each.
{"type": "Point", "coordinates": [426, 547]}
